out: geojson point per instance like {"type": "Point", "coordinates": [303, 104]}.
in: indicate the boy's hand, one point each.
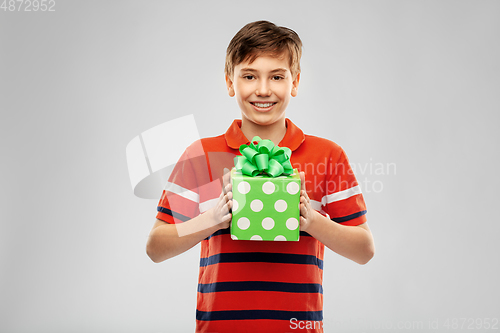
{"type": "Point", "coordinates": [306, 211]}
{"type": "Point", "coordinates": [221, 215]}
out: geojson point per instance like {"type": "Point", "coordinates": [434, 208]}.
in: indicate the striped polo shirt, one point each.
{"type": "Point", "coordinates": [261, 286]}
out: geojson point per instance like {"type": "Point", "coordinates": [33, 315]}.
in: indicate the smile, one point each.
{"type": "Point", "coordinates": [263, 105]}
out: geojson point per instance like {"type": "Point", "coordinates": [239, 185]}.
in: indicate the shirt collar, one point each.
{"type": "Point", "coordinates": [292, 139]}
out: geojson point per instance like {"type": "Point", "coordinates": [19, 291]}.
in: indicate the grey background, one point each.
{"type": "Point", "coordinates": [410, 84]}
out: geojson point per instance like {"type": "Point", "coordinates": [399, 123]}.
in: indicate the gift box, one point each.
{"type": "Point", "coordinates": [265, 201]}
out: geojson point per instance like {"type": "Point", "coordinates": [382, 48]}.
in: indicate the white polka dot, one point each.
{"type": "Point", "coordinates": [244, 187]}
{"type": "Point", "coordinates": [292, 188]}
{"type": "Point", "coordinates": [234, 237]}
{"type": "Point", "coordinates": [255, 237]}
{"type": "Point", "coordinates": [268, 187]}
{"type": "Point", "coordinates": [243, 223]}
{"type": "Point", "coordinates": [280, 206]}
{"type": "Point", "coordinates": [292, 223]}
{"type": "Point", "coordinates": [280, 238]}
{"type": "Point", "coordinates": [235, 205]}
{"type": "Point", "coordinates": [268, 223]}
{"type": "Point", "coordinates": [256, 205]}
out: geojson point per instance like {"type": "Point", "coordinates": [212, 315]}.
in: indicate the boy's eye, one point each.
{"type": "Point", "coordinates": [277, 78]}
{"type": "Point", "coordinates": [248, 77]}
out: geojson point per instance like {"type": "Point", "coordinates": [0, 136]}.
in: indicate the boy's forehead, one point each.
{"type": "Point", "coordinates": [265, 62]}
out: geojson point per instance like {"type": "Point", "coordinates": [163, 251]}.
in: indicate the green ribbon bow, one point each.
{"type": "Point", "coordinates": [263, 157]}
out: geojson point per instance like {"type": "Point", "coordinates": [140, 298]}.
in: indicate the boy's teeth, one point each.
{"type": "Point", "coordinates": [263, 105]}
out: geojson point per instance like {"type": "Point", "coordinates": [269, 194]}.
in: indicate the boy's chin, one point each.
{"type": "Point", "coordinates": [263, 119]}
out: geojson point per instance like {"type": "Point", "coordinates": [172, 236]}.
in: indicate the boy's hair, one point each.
{"type": "Point", "coordinates": [263, 37]}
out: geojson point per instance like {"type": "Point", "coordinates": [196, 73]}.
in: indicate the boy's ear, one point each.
{"type": "Point", "coordinates": [295, 85]}
{"type": "Point", "coordinates": [229, 85]}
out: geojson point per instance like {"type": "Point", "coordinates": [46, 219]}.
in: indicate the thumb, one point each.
{"type": "Point", "coordinates": [226, 178]}
{"type": "Point", "coordinates": [302, 180]}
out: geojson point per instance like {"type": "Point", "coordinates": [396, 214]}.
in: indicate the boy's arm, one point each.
{"type": "Point", "coordinates": [168, 240]}
{"type": "Point", "coordinates": [353, 242]}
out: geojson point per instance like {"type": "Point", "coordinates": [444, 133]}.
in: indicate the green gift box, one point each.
{"type": "Point", "coordinates": [265, 207]}
{"type": "Point", "coordinates": [266, 193]}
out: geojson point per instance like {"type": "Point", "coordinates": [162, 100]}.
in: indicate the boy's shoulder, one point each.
{"type": "Point", "coordinates": [209, 144]}
{"type": "Point", "coordinates": [313, 139]}
{"type": "Point", "coordinates": [319, 144]}
{"type": "Point", "coordinates": [214, 143]}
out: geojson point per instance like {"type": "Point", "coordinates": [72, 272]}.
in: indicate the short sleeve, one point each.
{"type": "Point", "coordinates": [344, 202]}
{"type": "Point", "coordinates": [180, 198]}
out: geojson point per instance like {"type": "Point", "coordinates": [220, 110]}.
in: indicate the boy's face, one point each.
{"type": "Point", "coordinates": [263, 88]}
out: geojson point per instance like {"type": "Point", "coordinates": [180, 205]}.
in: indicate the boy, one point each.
{"type": "Point", "coordinates": [261, 286]}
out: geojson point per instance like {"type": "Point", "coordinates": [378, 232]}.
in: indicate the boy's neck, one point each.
{"type": "Point", "coordinates": [274, 132]}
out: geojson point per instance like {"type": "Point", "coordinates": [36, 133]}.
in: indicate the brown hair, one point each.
{"type": "Point", "coordinates": [263, 37]}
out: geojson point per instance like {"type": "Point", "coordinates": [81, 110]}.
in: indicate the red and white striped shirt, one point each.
{"type": "Point", "coordinates": [252, 286]}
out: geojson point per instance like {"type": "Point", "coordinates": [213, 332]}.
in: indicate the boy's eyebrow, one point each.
{"type": "Point", "coordinates": [256, 71]}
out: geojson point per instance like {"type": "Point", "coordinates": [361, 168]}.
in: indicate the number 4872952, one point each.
{"type": "Point", "coordinates": [28, 5]}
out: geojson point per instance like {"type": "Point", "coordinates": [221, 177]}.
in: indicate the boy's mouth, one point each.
{"type": "Point", "coordinates": [266, 106]}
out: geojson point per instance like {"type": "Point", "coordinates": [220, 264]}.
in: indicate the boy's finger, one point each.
{"type": "Point", "coordinates": [305, 195]}
{"type": "Point", "coordinates": [303, 209]}
{"type": "Point", "coordinates": [226, 192]}
{"type": "Point", "coordinates": [226, 177]}
{"type": "Point", "coordinates": [228, 197]}
{"type": "Point", "coordinates": [302, 180]}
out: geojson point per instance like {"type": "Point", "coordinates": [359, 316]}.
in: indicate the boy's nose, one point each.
{"type": "Point", "coordinates": [263, 89]}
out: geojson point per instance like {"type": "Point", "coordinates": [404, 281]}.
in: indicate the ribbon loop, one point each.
{"type": "Point", "coordinates": [263, 157]}
{"type": "Point", "coordinates": [265, 146]}
{"type": "Point", "coordinates": [248, 152]}
{"type": "Point", "coordinates": [262, 162]}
